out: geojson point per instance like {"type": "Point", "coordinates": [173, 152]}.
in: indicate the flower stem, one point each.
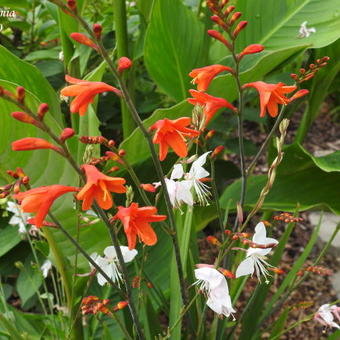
{"type": "Point", "coordinates": [265, 143]}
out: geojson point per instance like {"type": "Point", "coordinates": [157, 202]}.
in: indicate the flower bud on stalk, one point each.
{"type": "Point", "coordinates": [218, 36]}
{"type": "Point", "coordinates": [234, 18]}
{"type": "Point", "coordinates": [72, 5]}
{"type": "Point", "coordinates": [120, 305]}
{"type": "Point", "coordinates": [43, 109]}
{"type": "Point", "coordinates": [241, 25]}
{"type": "Point", "coordinates": [148, 187]}
{"type": "Point", "coordinates": [124, 63]}
{"type": "Point", "coordinates": [21, 93]}
{"type": "Point", "coordinates": [83, 39]}
{"type": "Point", "coordinates": [97, 30]}
{"type": "Point", "coordinates": [217, 151]}
{"type": "Point", "coordinates": [66, 134]}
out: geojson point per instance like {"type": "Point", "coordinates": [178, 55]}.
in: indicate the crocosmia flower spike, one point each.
{"type": "Point", "coordinates": [172, 133]}
{"type": "Point", "coordinates": [99, 187]}
{"type": "Point", "coordinates": [137, 221]}
{"type": "Point", "coordinates": [84, 92]}
{"type": "Point", "coordinates": [39, 200]}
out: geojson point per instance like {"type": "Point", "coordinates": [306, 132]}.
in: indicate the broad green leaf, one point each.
{"type": "Point", "coordinates": [173, 46]}
{"type": "Point", "coordinates": [276, 23]}
{"type": "Point", "coordinates": [9, 238]}
{"type": "Point", "coordinates": [301, 179]}
{"type": "Point", "coordinates": [23, 74]}
{"type": "Point", "coordinates": [29, 281]}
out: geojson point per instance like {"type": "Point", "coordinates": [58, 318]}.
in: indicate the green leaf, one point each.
{"type": "Point", "coordinates": [276, 23]}
{"type": "Point", "coordinates": [29, 281]}
{"type": "Point", "coordinates": [279, 324]}
{"type": "Point", "coordinates": [21, 73]}
{"type": "Point", "coordinates": [173, 46]}
{"type": "Point", "coordinates": [301, 179]}
{"type": "Point", "coordinates": [9, 238]}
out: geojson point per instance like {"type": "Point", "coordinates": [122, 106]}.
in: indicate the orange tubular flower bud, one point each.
{"type": "Point", "coordinates": [124, 63]}
{"type": "Point", "coordinates": [25, 180]}
{"type": "Point", "coordinates": [12, 174]}
{"type": "Point", "coordinates": [276, 270]}
{"type": "Point", "coordinates": [251, 49]}
{"type": "Point", "coordinates": [72, 5]}
{"type": "Point", "coordinates": [83, 39]}
{"type": "Point", "coordinates": [21, 93]}
{"type": "Point", "coordinates": [43, 109]}
{"type": "Point", "coordinates": [229, 10]}
{"type": "Point", "coordinates": [149, 285]}
{"type": "Point", "coordinates": [97, 29]}
{"type": "Point", "coordinates": [121, 153]}
{"type": "Point", "coordinates": [31, 143]}
{"type": "Point", "coordinates": [136, 282]}
{"type": "Point", "coordinates": [227, 273]}
{"type": "Point", "coordinates": [218, 36]}
{"type": "Point", "coordinates": [239, 28]}
{"type": "Point", "coordinates": [148, 187]}
{"type": "Point", "coordinates": [24, 118]}
{"type": "Point", "coordinates": [213, 240]}
{"type": "Point", "coordinates": [210, 134]}
{"type": "Point", "coordinates": [120, 305]}
{"type": "Point", "coordinates": [113, 169]}
{"type": "Point", "coordinates": [298, 94]}
{"type": "Point", "coordinates": [66, 134]}
{"type": "Point", "coordinates": [235, 17]}
{"type": "Point", "coordinates": [20, 172]}
{"type": "Point", "coordinates": [217, 150]}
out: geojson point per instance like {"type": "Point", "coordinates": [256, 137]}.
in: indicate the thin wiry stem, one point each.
{"type": "Point", "coordinates": [135, 115]}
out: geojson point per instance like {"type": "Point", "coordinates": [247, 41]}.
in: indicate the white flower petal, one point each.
{"type": "Point", "coordinates": [110, 252]}
{"type": "Point", "coordinates": [197, 171]}
{"type": "Point", "coordinates": [246, 267]}
{"type": "Point", "coordinates": [211, 275]}
{"type": "Point", "coordinates": [128, 255]}
{"type": "Point", "coordinates": [177, 172]}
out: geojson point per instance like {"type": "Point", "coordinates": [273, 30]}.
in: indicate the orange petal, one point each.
{"type": "Point", "coordinates": [147, 234]}
{"type": "Point", "coordinates": [177, 143]}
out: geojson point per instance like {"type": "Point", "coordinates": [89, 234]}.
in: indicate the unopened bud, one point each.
{"type": "Point", "coordinates": [210, 134]}
{"type": "Point", "coordinates": [217, 151]}
{"type": "Point", "coordinates": [21, 93]}
{"type": "Point", "coordinates": [83, 39]}
{"type": "Point", "coordinates": [251, 49]}
{"type": "Point", "coordinates": [325, 59]}
{"type": "Point", "coordinates": [148, 187]}
{"type": "Point", "coordinates": [241, 25]}
{"type": "Point", "coordinates": [113, 169]}
{"type": "Point", "coordinates": [4, 194]}
{"type": "Point", "coordinates": [121, 153]}
{"type": "Point", "coordinates": [302, 71]}
{"type": "Point", "coordinates": [229, 10]}
{"type": "Point", "coordinates": [25, 180]}
{"type": "Point", "coordinates": [235, 17]}
{"type": "Point", "coordinates": [213, 240]}
{"type": "Point", "coordinates": [66, 134]}
{"type": "Point", "coordinates": [294, 76]}
{"type": "Point", "coordinates": [12, 174]}
{"type": "Point", "coordinates": [228, 232]}
{"type": "Point", "coordinates": [149, 285]}
{"type": "Point", "coordinates": [135, 282]}
{"type": "Point", "coordinates": [72, 5]}
{"type": "Point", "coordinates": [16, 187]}
{"type": "Point", "coordinates": [227, 273]}
{"type": "Point", "coordinates": [42, 110]}
{"type": "Point", "coordinates": [124, 63]}
{"type": "Point", "coordinates": [23, 117]}
{"type": "Point", "coordinates": [111, 143]}
{"type": "Point", "coordinates": [239, 213]}
{"type": "Point", "coordinates": [276, 270]}
{"type": "Point", "coordinates": [218, 36]}
{"type": "Point", "coordinates": [120, 305]}
{"type": "Point", "coordinates": [97, 29]}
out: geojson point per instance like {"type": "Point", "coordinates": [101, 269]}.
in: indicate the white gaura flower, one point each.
{"type": "Point", "coordinates": [305, 32]}
{"type": "Point", "coordinates": [182, 186]}
{"type": "Point", "coordinates": [325, 315]}
{"type": "Point", "coordinates": [110, 264]}
{"type": "Point", "coordinates": [215, 285]}
{"type": "Point", "coordinates": [46, 267]}
{"type": "Point", "coordinates": [255, 258]}
{"type": "Point", "coordinates": [19, 218]}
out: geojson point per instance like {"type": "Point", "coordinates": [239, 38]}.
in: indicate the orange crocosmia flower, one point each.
{"type": "Point", "coordinates": [271, 95]}
{"type": "Point", "coordinates": [137, 221]}
{"type": "Point", "coordinates": [172, 133]}
{"type": "Point", "coordinates": [98, 187]}
{"type": "Point", "coordinates": [210, 103]}
{"type": "Point", "coordinates": [204, 75]}
{"type": "Point", "coordinates": [39, 200]}
{"type": "Point", "coordinates": [84, 92]}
